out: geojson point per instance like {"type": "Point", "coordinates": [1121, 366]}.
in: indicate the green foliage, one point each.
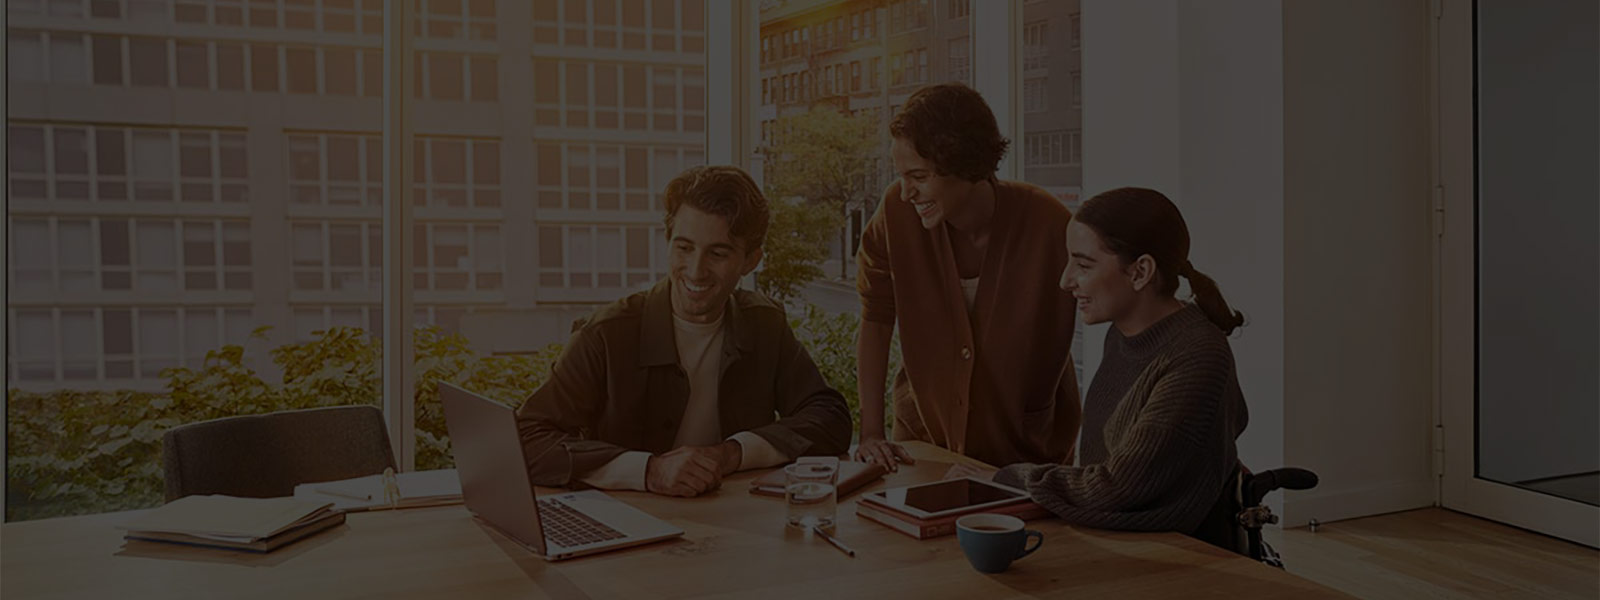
{"type": "Point", "coordinates": [831, 341]}
{"type": "Point", "coordinates": [340, 367]}
{"type": "Point", "coordinates": [507, 379]}
{"type": "Point", "coordinates": [797, 243]}
{"type": "Point", "coordinates": [75, 452]}
{"type": "Point", "coordinates": [822, 155]}
{"type": "Point", "coordinates": [815, 175]}
{"type": "Point", "coordinates": [72, 452]}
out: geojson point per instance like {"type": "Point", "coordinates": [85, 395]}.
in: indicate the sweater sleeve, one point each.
{"type": "Point", "coordinates": [1154, 478]}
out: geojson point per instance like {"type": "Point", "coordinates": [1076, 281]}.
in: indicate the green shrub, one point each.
{"type": "Point", "coordinates": [75, 452]}
{"type": "Point", "coordinates": [831, 341]}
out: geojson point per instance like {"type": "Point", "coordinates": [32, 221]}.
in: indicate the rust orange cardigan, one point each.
{"type": "Point", "coordinates": [999, 387]}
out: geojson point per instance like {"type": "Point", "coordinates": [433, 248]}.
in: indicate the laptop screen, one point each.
{"type": "Point", "coordinates": [489, 458]}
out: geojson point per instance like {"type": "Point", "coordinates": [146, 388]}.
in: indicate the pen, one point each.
{"type": "Point", "coordinates": [833, 540]}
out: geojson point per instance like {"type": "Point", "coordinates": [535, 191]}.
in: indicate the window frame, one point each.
{"type": "Point", "coordinates": [731, 30]}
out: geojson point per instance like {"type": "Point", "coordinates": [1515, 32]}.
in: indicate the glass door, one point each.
{"type": "Point", "coordinates": [1520, 285]}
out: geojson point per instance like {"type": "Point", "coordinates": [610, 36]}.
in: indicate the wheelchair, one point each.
{"type": "Point", "coordinates": [1250, 489]}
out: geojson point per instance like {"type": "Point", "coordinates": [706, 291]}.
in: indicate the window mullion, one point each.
{"type": "Point", "coordinates": [996, 72]}
{"type": "Point", "coordinates": [398, 378]}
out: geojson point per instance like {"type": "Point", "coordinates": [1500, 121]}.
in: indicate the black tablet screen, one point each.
{"type": "Point", "coordinates": [955, 493]}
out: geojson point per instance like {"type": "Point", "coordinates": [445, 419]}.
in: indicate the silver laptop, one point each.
{"type": "Point", "coordinates": [495, 483]}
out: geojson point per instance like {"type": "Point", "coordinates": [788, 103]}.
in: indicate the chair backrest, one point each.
{"type": "Point", "coordinates": [264, 456]}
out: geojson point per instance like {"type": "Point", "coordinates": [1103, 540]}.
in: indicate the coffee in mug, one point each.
{"type": "Point", "coordinates": [991, 542]}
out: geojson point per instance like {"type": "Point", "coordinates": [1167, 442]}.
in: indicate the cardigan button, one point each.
{"type": "Point", "coordinates": [966, 353]}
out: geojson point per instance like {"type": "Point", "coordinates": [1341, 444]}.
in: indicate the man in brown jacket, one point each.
{"type": "Point", "coordinates": [670, 389]}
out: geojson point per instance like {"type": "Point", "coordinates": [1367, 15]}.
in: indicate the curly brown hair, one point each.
{"type": "Point", "coordinates": [724, 191]}
{"type": "Point", "coordinates": [951, 125]}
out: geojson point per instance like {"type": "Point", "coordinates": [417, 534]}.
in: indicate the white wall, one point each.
{"type": "Point", "coordinates": [1186, 98]}
{"type": "Point", "coordinates": [1130, 108]}
{"type": "Point", "coordinates": [1357, 222]}
{"type": "Point", "coordinates": [1231, 194]}
{"type": "Point", "coordinates": [1293, 137]}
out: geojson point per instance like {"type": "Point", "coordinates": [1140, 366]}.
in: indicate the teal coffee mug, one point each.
{"type": "Point", "coordinates": [991, 541]}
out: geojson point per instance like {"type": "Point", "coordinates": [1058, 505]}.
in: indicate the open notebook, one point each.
{"type": "Point", "coordinates": [251, 524]}
{"type": "Point", "coordinates": [416, 489]}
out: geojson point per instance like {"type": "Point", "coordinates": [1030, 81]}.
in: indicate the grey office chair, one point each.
{"type": "Point", "coordinates": [264, 456]}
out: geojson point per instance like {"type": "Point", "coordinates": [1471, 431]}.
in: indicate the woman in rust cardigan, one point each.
{"type": "Point", "coordinates": [966, 266]}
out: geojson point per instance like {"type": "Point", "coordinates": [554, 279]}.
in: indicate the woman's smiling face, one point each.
{"type": "Point", "coordinates": [935, 197]}
{"type": "Point", "coordinates": [1095, 276]}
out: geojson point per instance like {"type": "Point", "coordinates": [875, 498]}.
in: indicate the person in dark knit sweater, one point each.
{"type": "Point", "coordinates": [1160, 418]}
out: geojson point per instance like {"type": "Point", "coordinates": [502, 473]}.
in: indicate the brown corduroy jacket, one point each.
{"type": "Point", "coordinates": [1000, 386]}
{"type": "Point", "coordinates": [618, 386]}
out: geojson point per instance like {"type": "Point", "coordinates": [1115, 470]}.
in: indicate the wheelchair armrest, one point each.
{"type": "Point", "coordinates": [1258, 485]}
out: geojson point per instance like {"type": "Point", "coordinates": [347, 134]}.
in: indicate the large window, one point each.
{"type": "Point", "coordinates": [171, 242]}
{"type": "Point", "coordinates": [175, 252]}
{"type": "Point", "coordinates": [959, 52]}
{"type": "Point", "coordinates": [116, 164]}
{"type": "Point", "coordinates": [187, 63]}
{"type": "Point", "coordinates": [335, 169]}
{"type": "Point", "coordinates": [1035, 45]}
{"type": "Point", "coordinates": [543, 196]}
{"type": "Point", "coordinates": [835, 73]}
{"type": "Point", "coordinates": [95, 348]}
{"type": "Point", "coordinates": [630, 96]}
{"type": "Point", "coordinates": [336, 256]}
{"type": "Point", "coordinates": [1060, 148]}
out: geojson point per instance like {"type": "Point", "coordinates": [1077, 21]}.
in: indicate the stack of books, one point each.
{"type": "Point", "coordinates": [247, 524]}
{"type": "Point", "coordinates": [872, 508]}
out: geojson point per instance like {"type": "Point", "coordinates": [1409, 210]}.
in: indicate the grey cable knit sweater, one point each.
{"type": "Point", "coordinates": [1160, 421]}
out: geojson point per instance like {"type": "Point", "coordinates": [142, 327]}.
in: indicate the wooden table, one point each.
{"type": "Point", "coordinates": [735, 546]}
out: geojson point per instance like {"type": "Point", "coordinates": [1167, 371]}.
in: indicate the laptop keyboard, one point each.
{"type": "Point", "coordinates": [569, 528]}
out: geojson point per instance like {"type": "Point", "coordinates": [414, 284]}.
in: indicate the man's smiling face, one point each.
{"type": "Point", "coordinates": [706, 263]}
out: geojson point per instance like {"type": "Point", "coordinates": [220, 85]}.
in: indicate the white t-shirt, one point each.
{"type": "Point", "coordinates": [700, 355]}
{"type": "Point", "coordinates": [969, 290]}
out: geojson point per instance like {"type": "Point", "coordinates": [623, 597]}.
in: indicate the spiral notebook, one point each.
{"type": "Point", "coordinates": [411, 490]}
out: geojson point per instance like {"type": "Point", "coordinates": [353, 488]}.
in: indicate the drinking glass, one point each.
{"type": "Point", "coordinates": [809, 491]}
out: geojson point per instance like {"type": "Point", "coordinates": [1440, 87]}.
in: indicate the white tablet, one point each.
{"type": "Point", "coordinates": [949, 497]}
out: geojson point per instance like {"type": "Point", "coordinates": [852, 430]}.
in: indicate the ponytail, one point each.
{"type": "Point", "coordinates": [1210, 301]}
{"type": "Point", "coordinates": [1133, 222]}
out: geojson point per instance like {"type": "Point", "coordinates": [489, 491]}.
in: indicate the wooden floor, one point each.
{"type": "Point", "coordinates": [1437, 553]}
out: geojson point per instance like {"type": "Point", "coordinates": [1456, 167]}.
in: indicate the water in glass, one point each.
{"type": "Point", "coordinates": [809, 491]}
